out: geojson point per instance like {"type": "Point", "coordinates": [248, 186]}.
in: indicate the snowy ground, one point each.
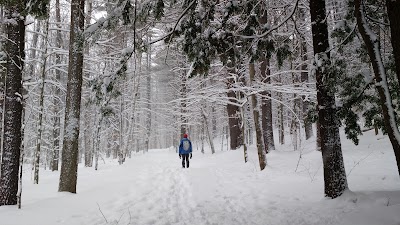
{"type": "Point", "coordinates": [152, 188]}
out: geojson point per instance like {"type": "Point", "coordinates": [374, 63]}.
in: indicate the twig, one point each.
{"type": "Point", "coordinates": [298, 162]}
{"type": "Point", "coordinates": [130, 216]}
{"type": "Point", "coordinates": [102, 213]}
{"type": "Point", "coordinates": [120, 218]}
{"type": "Point", "coordinates": [359, 162]}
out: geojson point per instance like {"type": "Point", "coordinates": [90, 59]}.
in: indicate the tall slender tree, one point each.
{"type": "Point", "coordinates": [334, 172]}
{"type": "Point", "coordinates": [69, 164]}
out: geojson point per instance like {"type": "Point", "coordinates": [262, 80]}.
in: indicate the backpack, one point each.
{"type": "Point", "coordinates": [186, 145]}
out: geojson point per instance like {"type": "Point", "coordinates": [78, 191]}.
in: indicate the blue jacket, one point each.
{"type": "Point", "coordinates": [181, 150]}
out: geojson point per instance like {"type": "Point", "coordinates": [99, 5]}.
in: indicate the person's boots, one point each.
{"type": "Point", "coordinates": [187, 164]}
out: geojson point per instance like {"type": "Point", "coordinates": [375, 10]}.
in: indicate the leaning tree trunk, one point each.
{"type": "Point", "coordinates": [14, 48]}
{"type": "Point", "coordinates": [256, 117]}
{"type": "Point", "coordinates": [69, 165]}
{"type": "Point", "coordinates": [393, 8]}
{"type": "Point", "coordinates": [371, 41]}
{"type": "Point", "coordinates": [334, 173]}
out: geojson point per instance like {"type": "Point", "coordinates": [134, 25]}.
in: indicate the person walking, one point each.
{"type": "Point", "coordinates": [185, 148]}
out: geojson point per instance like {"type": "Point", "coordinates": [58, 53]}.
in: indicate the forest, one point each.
{"type": "Point", "coordinates": [85, 81]}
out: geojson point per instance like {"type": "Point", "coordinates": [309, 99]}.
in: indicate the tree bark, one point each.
{"type": "Point", "coordinates": [57, 102]}
{"type": "Point", "coordinates": [266, 102]}
{"type": "Point", "coordinates": [14, 47]}
{"type": "Point", "coordinates": [235, 132]}
{"type": "Point", "coordinates": [371, 41]}
{"type": "Point", "coordinates": [88, 123]}
{"type": "Point", "coordinates": [41, 105]}
{"type": "Point", "coordinates": [304, 79]}
{"type": "Point", "coordinates": [69, 166]}
{"type": "Point", "coordinates": [393, 8]}
{"type": "Point", "coordinates": [334, 173]}
{"type": "Point", "coordinates": [256, 117]}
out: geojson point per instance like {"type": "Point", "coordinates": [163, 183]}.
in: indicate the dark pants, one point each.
{"type": "Point", "coordinates": [185, 157]}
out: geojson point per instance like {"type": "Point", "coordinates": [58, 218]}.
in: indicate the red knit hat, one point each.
{"type": "Point", "coordinates": [185, 135]}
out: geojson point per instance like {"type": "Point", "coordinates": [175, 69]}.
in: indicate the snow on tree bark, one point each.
{"type": "Point", "coordinates": [371, 41]}
{"type": "Point", "coordinates": [334, 172]}
{"type": "Point", "coordinates": [14, 46]}
{"type": "Point", "coordinates": [69, 165]}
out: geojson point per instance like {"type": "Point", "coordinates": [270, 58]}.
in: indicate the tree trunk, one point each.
{"type": "Point", "coordinates": [233, 110]}
{"type": "Point", "coordinates": [41, 105]}
{"type": "Point", "coordinates": [334, 172]}
{"type": "Point", "coordinates": [88, 124]}
{"type": "Point", "coordinates": [393, 8]}
{"type": "Point", "coordinates": [207, 130]}
{"type": "Point", "coordinates": [14, 48]}
{"type": "Point", "coordinates": [266, 102]}
{"type": "Point", "coordinates": [183, 91]}
{"type": "Point", "coordinates": [69, 166]}
{"type": "Point", "coordinates": [304, 79]}
{"type": "Point", "coordinates": [148, 97]}
{"type": "Point", "coordinates": [281, 120]}
{"type": "Point", "coordinates": [372, 43]}
{"type": "Point", "coordinates": [57, 103]}
{"type": "Point", "coordinates": [256, 117]}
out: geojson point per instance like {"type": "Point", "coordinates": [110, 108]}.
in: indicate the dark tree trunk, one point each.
{"type": "Point", "coordinates": [371, 41]}
{"type": "Point", "coordinates": [266, 103]}
{"type": "Point", "coordinates": [14, 47]}
{"type": "Point", "coordinates": [393, 8]}
{"type": "Point", "coordinates": [334, 173]}
{"type": "Point", "coordinates": [69, 165]}
{"type": "Point", "coordinates": [235, 131]}
{"type": "Point", "coordinates": [266, 108]}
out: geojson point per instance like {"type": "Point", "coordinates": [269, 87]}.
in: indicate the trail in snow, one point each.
{"type": "Point", "coordinates": [152, 188]}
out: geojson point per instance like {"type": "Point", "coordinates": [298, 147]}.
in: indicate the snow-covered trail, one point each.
{"type": "Point", "coordinates": [152, 188]}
